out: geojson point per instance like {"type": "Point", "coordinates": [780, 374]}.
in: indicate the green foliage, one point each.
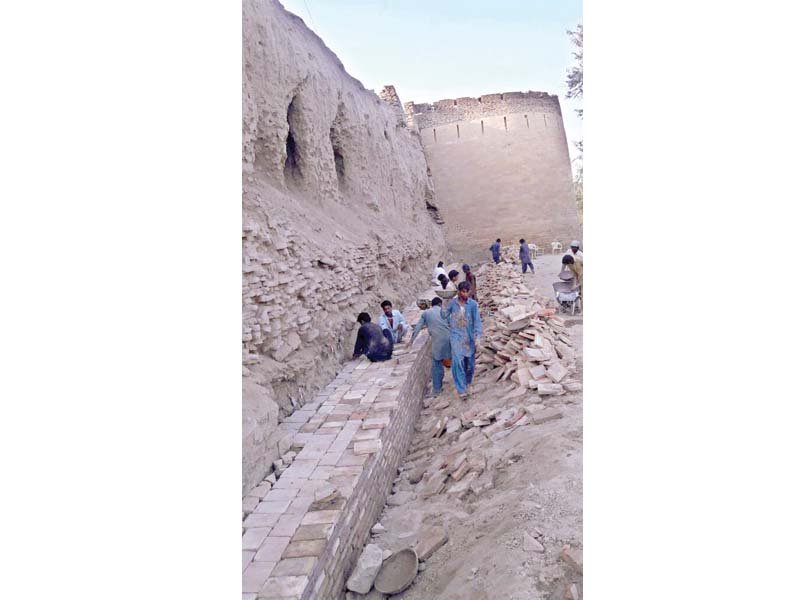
{"type": "Point", "coordinates": [575, 74]}
{"type": "Point", "coordinates": [575, 90]}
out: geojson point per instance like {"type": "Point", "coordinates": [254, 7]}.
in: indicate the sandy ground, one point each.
{"type": "Point", "coordinates": [537, 489]}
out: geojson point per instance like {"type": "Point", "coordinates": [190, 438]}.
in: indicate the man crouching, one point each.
{"type": "Point", "coordinates": [377, 345]}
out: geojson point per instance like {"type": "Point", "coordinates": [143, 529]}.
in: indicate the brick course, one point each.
{"type": "Point", "coordinates": [319, 548]}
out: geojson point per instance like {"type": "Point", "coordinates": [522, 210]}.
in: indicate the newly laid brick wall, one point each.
{"type": "Point", "coordinates": [356, 433]}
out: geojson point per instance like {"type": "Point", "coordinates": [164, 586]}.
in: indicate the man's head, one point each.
{"type": "Point", "coordinates": [522, 241]}
{"type": "Point", "coordinates": [387, 308]}
{"type": "Point", "coordinates": [441, 264]}
{"type": "Point", "coordinates": [442, 278]}
{"type": "Point", "coordinates": [575, 245]}
{"type": "Point", "coordinates": [465, 268]}
{"type": "Point", "coordinates": [363, 318]}
{"type": "Point", "coordinates": [453, 275]}
{"type": "Point", "coordinates": [436, 301]}
{"type": "Point", "coordinates": [497, 240]}
{"type": "Point", "coordinates": [567, 260]}
{"type": "Point", "coordinates": [463, 291]}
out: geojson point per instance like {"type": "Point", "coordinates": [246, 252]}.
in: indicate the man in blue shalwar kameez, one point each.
{"type": "Point", "coordinates": [434, 320]}
{"type": "Point", "coordinates": [495, 248]}
{"type": "Point", "coordinates": [465, 330]}
{"type": "Point", "coordinates": [525, 256]}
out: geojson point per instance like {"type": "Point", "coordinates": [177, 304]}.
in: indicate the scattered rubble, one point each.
{"type": "Point", "coordinates": [530, 543]}
{"type": "Point", "coordinates": [459, 451]}
{"type": "Point", "coordinates": [431, 540]}
{"type": "Point", "coordinates": [366, 569]}
{"type": "Point", "coordinates": [524, 340]}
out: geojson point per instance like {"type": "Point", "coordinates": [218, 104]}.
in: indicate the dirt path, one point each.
{"type": "Point", "coordinates": [536, 494]}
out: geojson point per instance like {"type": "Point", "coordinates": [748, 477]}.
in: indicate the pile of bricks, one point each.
{"type": "Point", "coordinates": [524, 341]}
{"type": "Point", "coordinates": [302, 536]}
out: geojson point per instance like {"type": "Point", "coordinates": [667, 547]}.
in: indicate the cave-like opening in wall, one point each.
{"type": "Point", "coordinates": [292, 172]}
{"type": "Point", "coordinates": [337, 147]}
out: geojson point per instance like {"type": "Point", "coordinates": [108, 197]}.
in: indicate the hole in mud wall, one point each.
{"type": "Point", "coordinates": [527, 124]}
{"type": "Point", "coordinates": [292, 173]}
{"type": "Point", "coordinates": [458, 132]}
{"type": "Point", "coordinates": [505, 123]}
{"type": "Point", "coordinates": [386, 135]}
{"type": "Point", "coordinates": [481, 127]}
{"type": "Point", "coordinates": [434, 135]}
{"type": "Point", "coordinates": [338, 148]}
{"type": "Point", "coordinates": [338, 158]}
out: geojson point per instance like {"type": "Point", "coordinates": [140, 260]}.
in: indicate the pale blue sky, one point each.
{"type": "Point", "coordinates": [437, 49]}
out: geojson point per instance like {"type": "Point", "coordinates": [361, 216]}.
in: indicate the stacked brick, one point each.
{"type": "Point", "coordinates": [299, 303]}
{"type": "Point", "coordinates": [351, 439]}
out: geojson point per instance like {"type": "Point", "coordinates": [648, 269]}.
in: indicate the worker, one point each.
{"type": "Point", "coordinates": [453, 276]}
{"type": "Point", "coordinates": [577, 254]}
{"type": "Point", "coordinates": [439, 331]}
{"type": "Point", "coordinates": [473, 283]}
{"type": "Point", "coordinates": [394, 321]}
{"type": "Point", "coordinates": [495, 248]}
{"type": "Point", "coordinates": [525, 256]}
{"type": "Point", "coordinates": [465, 331]}
{"type": "Point", "coordinates": [576, 268]}
{"type": "Point", "coordinates": [376, 344]}
{"type": "Point", "coordinates": [439, 270]}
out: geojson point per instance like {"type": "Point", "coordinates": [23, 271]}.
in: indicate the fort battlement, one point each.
{"type": "Point", "coordinates": [501, 168]}
{"type": "Point", "coordinates": [452, 110]}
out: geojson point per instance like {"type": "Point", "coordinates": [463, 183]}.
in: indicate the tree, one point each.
{"type": "Point", "coordinates": [575, 74]}
{"type": "Point", "coordinates": [575, 90]}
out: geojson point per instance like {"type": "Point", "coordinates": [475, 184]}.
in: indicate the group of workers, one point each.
{"type": "Point", "coordinates": [445, 279]}
{"type": "Point", "coordinates": [524, 254]}
{"type": "Point", "coordinates": [376, 341]}
{"type": "Point", "coordinates": [571, 262]}
{"type": "Point", "coordinates": [455, 327]}
{"type": "Point", "coordinates": [455, 331]}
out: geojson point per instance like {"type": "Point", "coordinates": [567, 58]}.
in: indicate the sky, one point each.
{"type": "Point", "coordinates": [435, 49]}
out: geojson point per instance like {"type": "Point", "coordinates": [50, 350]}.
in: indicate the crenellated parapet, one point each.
{"type": "Point", "coordinates": [452, 110]}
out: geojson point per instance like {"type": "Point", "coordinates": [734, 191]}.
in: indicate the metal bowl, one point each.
{"type": "Point", "coordinates": [397, 572]}
{"type": "Point", "coordinates": [446, 294]}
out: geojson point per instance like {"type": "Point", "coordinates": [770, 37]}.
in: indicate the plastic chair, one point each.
{"type": "Point", "coordinates": [556, 247]}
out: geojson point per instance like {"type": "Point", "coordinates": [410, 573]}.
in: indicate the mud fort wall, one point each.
{"type": "Point", "coordinates": [501, 167]}
{"type": "Point", "coordinates": [336, 218]}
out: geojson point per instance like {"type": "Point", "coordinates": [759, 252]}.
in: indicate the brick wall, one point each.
{"type": "Point", "coordinates": [295, 550]}
{"type": "Point", "coordinates": [364, 507]}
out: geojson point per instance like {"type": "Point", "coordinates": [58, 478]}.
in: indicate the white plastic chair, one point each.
{"type": "Point", "coordinates": [556, 247]}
